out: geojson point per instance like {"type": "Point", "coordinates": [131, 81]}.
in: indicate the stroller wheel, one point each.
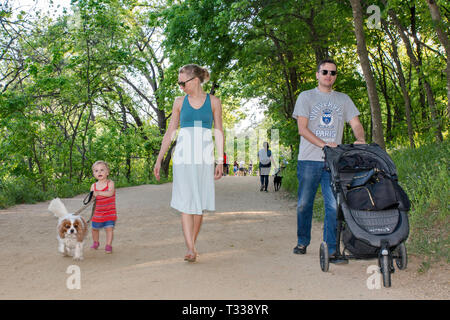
{"type": "Point", "coordinates": [324, 258]}
{"type": "Point", "coordinates": [401, 256]}
{"type": "Point", "coordinates": [385, 270]}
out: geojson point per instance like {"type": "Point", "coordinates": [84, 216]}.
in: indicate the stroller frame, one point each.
{"type": "Point", "coordinates": [391, 247]}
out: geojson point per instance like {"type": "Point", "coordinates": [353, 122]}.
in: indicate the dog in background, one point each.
{"type": "Point", "coordinates": [277, 180]}
{"type": "Point", "coordinates": [71, 230]}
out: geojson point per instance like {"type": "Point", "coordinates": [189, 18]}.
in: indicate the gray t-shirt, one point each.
{"type": "Point", "coordinates": [327, 113]}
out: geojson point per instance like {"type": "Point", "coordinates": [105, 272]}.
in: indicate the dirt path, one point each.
{"type": "Point", "coordinates": [245, 253]}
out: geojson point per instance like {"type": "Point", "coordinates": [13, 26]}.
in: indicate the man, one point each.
{"type": "Point", "coordinates": [321, 114]}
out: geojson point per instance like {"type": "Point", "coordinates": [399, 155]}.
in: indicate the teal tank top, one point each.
{"type": "Point", "coordinates": [190, 117]}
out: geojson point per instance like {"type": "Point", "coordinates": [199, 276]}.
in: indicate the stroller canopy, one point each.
{"type": "Point", "coordinates": [351, 157]}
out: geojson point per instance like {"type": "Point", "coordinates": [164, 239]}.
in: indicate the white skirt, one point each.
{"type": "Point", "coordinates": [193, 171]}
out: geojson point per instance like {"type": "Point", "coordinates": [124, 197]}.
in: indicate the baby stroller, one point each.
{"type": "Point", "coordinates": [372, 208]}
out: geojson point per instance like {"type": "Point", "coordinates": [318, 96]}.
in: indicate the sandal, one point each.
{"type": "Point", "coordinates": [190, 257]}
{"type": "Point", "coordinates": [108, 248]}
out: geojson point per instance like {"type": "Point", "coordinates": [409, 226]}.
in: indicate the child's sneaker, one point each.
{"type": "Point", "coordinates": [108, 249]}
{"type": "Point", "coordinates": [95, 245]}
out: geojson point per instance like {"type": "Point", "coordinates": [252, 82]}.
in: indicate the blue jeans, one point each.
{"type": "Point", "coordinates": [310, 174]}
{"type": "Point", "coordinates": [264, 181]}
{"type": "Point", "coordinates": [101, 225]}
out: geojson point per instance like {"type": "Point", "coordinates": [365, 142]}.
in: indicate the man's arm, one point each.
{"type": "Point", "coordinates": [303, 130]}
{"type": "Point", "coordinates": [358, 130]}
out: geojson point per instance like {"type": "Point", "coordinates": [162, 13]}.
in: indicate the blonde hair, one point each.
{"type": "Point", "coordinates": [101, 162]}
{"type": "Point", "coordinates": [195, 70]}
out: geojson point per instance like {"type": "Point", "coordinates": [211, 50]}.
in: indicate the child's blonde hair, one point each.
{"type": "Point", "coordinates": [101, 162]}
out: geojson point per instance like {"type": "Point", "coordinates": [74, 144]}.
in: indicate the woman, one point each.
{"type": "Point", "coordinates": [265, 160]}
{"type": "Point", "coordinates": [193, 160]}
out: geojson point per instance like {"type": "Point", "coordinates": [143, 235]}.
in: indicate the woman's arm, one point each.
{"type": "Point", "coordinates": [273, 161]}
{"type": "Point", "coordinates": [169, 135]}
{"type": "Point", "coordinates": [216, 107]}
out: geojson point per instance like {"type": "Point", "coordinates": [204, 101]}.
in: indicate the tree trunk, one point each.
{"type": "Point", "coordinates": [124, 130]}
{"type": "Point", "coordinates": [443, 38]}
{"type": "Point", "coordinates": [287, 71]}
{"type": "Point", "coordinates": [377, 128]}
{"type": "Point", "coordinates": [384, 90]}
{"type": "Point", "coordinates": [402, 81]}
{"type": "Point", "coordinates": [422, 93]}
{"type": "Point", "coordinates": [418, 67]}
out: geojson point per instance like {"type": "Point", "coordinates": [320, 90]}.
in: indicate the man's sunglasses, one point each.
{"type": "Point", "coordinates": [325, 72]}
{"type": "Point", "coordinates": [183, 83]}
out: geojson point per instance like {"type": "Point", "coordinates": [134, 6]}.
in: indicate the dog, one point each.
{"type": "Point", "coordinates": [71, 230]}
{"type": "Point", "coordinates": [277, 180]}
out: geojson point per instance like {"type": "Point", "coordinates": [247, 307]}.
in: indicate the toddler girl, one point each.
{"type": "Point", "coordinates": [105, 215]}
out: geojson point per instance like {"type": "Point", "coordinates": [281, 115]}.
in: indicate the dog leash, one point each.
{"type": "Point", "coordinates": [86, 203]}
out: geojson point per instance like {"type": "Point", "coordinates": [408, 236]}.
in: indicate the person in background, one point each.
{"type": "Point", "coordinates": [242, 168]}
{"type": "Point", "coordinates": [225, 164]}
{"type": "Point", "coordinates": [265, 163]}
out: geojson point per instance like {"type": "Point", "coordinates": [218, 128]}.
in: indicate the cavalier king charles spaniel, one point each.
{"type": "Point", "coordinates": [71, 230]}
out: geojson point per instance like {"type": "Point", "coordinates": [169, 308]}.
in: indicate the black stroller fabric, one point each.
{"type": "Point", "coordinates": [377, 222]}
{"type": "Point", "coordinates": [358, 248]}
{"type": "Point", "coordinates": [375, 192]}
{"type": "Point", "coordinates": [372, 203]}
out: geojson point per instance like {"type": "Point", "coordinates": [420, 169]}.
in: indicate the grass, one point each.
{"type": "Point", "coordinates": [424, 174]}
{"type": "Point", "coordinates": [22, 190]}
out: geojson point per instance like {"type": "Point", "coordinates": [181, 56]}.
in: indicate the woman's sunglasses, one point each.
{"type": "Point", "coordinates": [325, 72]}
{"type": "Point", "coordinates": [183, 83]}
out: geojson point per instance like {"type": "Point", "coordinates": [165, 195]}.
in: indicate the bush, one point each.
{"type": "Point", "coordinates": [14, 191]}
{"type": "Point", "coordinates": [423, 173]}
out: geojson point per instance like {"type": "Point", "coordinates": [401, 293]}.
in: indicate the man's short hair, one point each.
{"type": "Point", "coordinates": [327, 60]}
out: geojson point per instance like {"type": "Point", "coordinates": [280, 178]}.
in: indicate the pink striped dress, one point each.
{"type": "Point", "coordinates": [105, 207]}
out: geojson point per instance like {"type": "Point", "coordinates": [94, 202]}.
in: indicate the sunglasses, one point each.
{"type": "Point", "coordinates": [325, 72]}
{"type": "Point", "coordinates": [183, 83]}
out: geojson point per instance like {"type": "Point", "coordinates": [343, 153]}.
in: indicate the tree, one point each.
{"type": "Point", "coordinates": [377, 126]}
{"type": "Point", "coordinates": [402, 81]}
{"type": "Point", "coordinates": [419, 69]}
{"type": "Point", "coordinates": [440, 27]}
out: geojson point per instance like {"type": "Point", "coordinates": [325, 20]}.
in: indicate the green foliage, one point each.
{"type": "Point", "coordinates": [290, 181]}
{"type": "Point", "coordinates": [70, 107]}
{"type": "Point", "coordinates": [424, 175]}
